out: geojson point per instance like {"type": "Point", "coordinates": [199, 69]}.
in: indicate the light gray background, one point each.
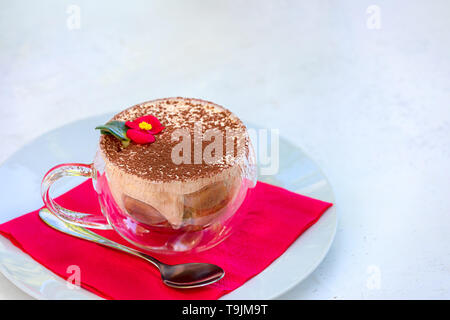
{"type": "Point", "coordinates": [371, 106]}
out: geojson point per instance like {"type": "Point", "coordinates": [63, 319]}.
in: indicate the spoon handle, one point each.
{"type": "Point", "coordinates": [86, 234]}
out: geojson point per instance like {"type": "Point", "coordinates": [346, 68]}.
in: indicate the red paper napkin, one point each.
{"type": "Point", "coordinates": [275, 218]}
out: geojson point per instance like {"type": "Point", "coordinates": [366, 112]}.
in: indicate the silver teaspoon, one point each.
{"type": "Point", "coordinates": [186, 275]}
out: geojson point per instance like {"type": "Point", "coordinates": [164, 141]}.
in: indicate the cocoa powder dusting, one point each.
{"type": "Point", "coordinates": [154, 161]}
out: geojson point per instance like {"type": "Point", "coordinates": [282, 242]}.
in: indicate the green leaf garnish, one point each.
{"type": "Point", "coordinates": [117, 129]}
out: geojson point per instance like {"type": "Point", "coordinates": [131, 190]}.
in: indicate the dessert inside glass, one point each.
{"type": "Point", "coordinates": [178, 189]}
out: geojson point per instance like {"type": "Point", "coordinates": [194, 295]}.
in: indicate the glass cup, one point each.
{"type": "Point", "coordinates": [140, 224]}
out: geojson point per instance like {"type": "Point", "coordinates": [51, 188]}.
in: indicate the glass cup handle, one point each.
{"type": "Point", "coordinates": [77, 218]}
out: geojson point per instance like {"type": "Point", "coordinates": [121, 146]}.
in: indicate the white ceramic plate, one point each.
{"type": "Point", "coordinates": [76, 142]}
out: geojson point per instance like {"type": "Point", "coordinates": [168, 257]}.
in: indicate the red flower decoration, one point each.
{"type": "Point", "coordinates": [142, 129]}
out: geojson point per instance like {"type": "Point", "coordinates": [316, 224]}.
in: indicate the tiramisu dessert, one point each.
{"type": "Point", "coordinates": [174, 164]}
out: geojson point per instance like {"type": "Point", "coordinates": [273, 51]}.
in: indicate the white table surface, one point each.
{"type": "Point", "coordinates": [371, 106]}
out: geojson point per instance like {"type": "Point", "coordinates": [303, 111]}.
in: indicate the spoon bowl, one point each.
{"type": "Point", "coordinates": [190, 275]}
